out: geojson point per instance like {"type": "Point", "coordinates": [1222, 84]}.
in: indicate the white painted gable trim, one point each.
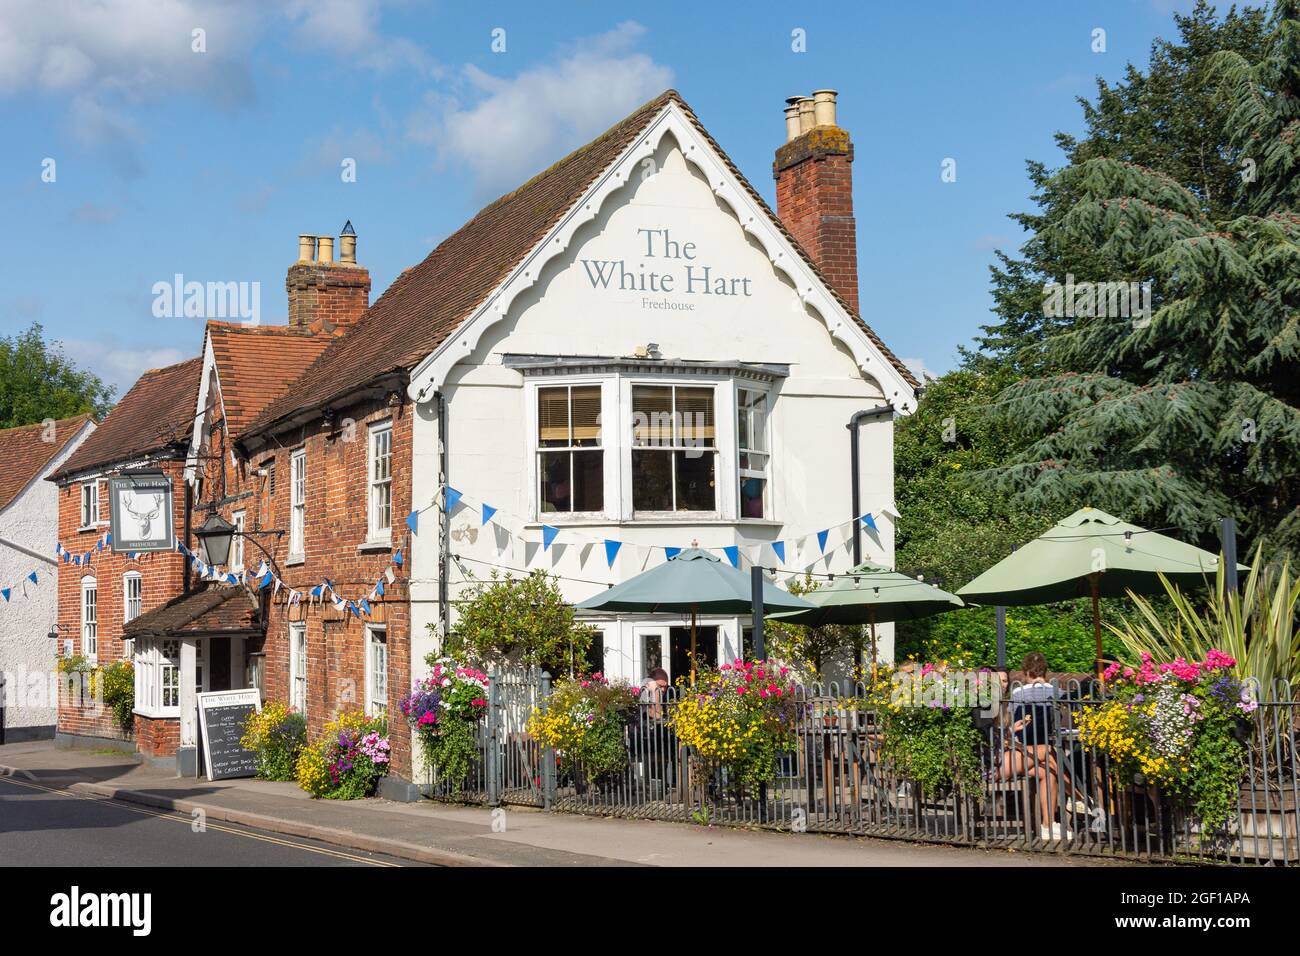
{"type": "Point", "coordinates": [200, 409]}
{"type": "Point", "coordinates": [431, 374]}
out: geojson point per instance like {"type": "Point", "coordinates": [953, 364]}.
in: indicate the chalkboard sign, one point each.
{"type": "Point", "coordinates": [221, 723]}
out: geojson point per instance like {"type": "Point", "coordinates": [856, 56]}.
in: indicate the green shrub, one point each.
{"type": "Point", "coordinates": [118, 683]}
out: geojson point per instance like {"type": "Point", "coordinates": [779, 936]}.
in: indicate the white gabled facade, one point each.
{"type": "Point", "coordinates": [29, 533]}
{"type": "Point", "coordinates": [667, 249]}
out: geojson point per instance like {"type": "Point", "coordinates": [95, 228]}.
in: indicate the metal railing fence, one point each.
{"type": "Point", "coordinates": [1057, 796]}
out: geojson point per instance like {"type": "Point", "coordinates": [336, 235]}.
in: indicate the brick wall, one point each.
{"type": "Point", "coordinates": [161, 576]}
{"type": "Point", "coordinates": [326, 297]}
{"type": "Point", "coordinates": [814, 199]}
{"type": "Point", "coordinates": [157, 737]}
{"type": "Point", "coordinates": [334, 532]}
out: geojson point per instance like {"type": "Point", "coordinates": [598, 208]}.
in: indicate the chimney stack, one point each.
{"type": "Point", "coordinates": [814, 189]}
{"type": "Point", "coordinates": [327, 296]}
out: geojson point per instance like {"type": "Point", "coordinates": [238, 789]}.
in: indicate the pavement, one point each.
{"type": "Point", "coordinates": [443, 834]}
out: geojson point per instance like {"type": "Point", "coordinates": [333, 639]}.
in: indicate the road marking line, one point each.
{"type": "Point", "coordinates": [172, 815]}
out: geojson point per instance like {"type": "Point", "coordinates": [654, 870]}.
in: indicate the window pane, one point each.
{"type": "Point", "coordinates": [752, 492]}
{"type": "Point", "coordinates": [652, 415]}
{"type": "Point", "coordinates": [695, 416]}
{"type": "Point", "coordinates": [586, 415]}
{"type": "Point", "coordinates": [552, 417]}
{"type": "Point", "coordinates": [588, 480]}
{"type": "Point", "coordinates": [652, 478]}
{"type": "Point", "coordinates": [694, 481]}
{"type": "Point", "coordinates": [556, 492]}
{"type": "Point", "coordinates": [752, 420]}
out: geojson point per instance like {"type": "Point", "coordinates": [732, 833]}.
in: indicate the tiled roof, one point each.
{"type": "Point", "coordinates": [210, 610]}
{"type": "Point", "coordinates": [24, 452]}
{"type": "Point", "coordinates": [257, 363]}
{"type": "Point", "coordinates": [158, 410]}
{"type": "Point", "coordinates": [429, 301]}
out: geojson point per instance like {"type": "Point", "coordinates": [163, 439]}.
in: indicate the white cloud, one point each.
{"type": "Point", "coordinates": [919, 369]}
{"type": "Point", "coordinates": [514, 127]}
{"type": "Point", "coordinates": [350, 28]}
{"type": "Point", "coordinates": [117, 364]}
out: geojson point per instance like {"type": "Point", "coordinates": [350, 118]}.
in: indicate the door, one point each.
{"type": "Point", "coordinates": [651, 650]}
{"type": "Point", "coordinates": [218, 668]}
{"type": "Point", "coordinates": [706, 649]}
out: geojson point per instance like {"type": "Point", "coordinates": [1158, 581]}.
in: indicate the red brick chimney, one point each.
{"type": "Point", "coordinates": [327, 296]}
{"type": "Point", "coordinates": [814, 189]}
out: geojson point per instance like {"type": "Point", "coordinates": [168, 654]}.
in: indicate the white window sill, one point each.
{"type": "Point", "coordinates": [162, 713]}
{"type": "Point", "coordinates": [705, 519]}
{"type": "Point", "coordinates": [376, 544]}
{"type": "Point", "coordinates": [295, 559]}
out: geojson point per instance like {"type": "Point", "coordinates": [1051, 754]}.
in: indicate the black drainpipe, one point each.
{"type": "Point", "coordinates": [444, 523]}
{"type": "Point", "coordinates": [855, 478]}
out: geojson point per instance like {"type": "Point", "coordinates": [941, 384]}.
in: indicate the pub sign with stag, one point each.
{"type": "Point", "coordinates": [141, 512]}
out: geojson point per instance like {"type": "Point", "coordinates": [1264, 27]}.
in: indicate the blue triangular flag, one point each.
{"type": "Point", "coordinates": [5, 592]}
{"type": "Point", "coordinates": [397, 558]}
{"type": "Point", "coordinates": [266, 581]}
{"type": "Point", "coordinates": [379, 588]}
{"type": "Point", "coordinates": [450, 498]}
{"type": "Point", "coordinates": [779, 548]}
{"type": "Point", "coordinates": [99, 545]}
{"type": "Point", "coordinates": [108, 537]}
{"type": "Point", "coordinates": [32, 577]}
{"type": "Point", "coordinates": [413, 522]}
{"type": "Point", "coordinates": [352, 608]}
{"type": "Point", "coordinates": [365, 605]}
{"type": "Point", "coordinates": [869, 521]}
{"type": "Point", "coordinates": [672, 552]}
{"type": "Point", "coordinates": [231, 579]}
{"type": "Point", "coordinates": [76, 559]}
{"type": "Point", "coordinates": [315, 592]}
{"type": "Point", "coordinates": [548, 535]}
{"type": "Point", "coordinates": [611, 550]}
{"type": "Point", "coordinates": [821, 539]}
{"type": "Point", "coordinates": [488, 512]}
{"type": "Point", "coordinates": [58, 547]}
{"type": "Point", "coordinates": [733, 555]}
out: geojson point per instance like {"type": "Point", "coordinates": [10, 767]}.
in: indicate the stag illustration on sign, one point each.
{"type": "Point", "coordinates": [143, 514]}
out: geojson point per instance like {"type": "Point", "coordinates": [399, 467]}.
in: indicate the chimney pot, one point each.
{"type": "Point", "coordinates": [791, 117]}
{"type": "Point", "coordinates": [806, 120]}
{"type": "Point", "coordinates": [824, 107]}
{"type": "Point", "coordinates": [306, 248]}
{"type": "Point", "coordinates": [348, 246]}
{"type": "Point", "coordinates": [325, 247]}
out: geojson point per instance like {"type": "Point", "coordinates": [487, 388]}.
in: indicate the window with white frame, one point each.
{"type": "Point", "coordinates": [297, 501]}
{"type": "Point", "coordinates": [90, 504]}
{"type": "Point", "coordinates": [752, 458]}
{"type": "Point", "coordinates": [298, 665]}
{"type": "Point", "coordinates": [380, 483]}
{"type": "Point", "coordinates": [157, 677]}
{"type": "Point", "coordinates": [132, 593]}
{"type": "Point", "coordinates": [674, 448]}
{"type": "Point", "coordinates": [570, 459]}
{"type": "Point", "coordinates": [89, 618]}
{"type": "Point", "coordinates": [376, 669]}
{"type": "Point", "coordinates": [237, 542]}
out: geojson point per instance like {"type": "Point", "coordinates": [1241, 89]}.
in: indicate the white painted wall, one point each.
{"type": "Point", "coordinates": [561, 314]}
{"type": "Point", "coordinates": [27, 655]}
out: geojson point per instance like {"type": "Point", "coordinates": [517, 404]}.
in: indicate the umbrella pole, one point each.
{"type": "Point", "coordinates": [1093, 579]}
{"type": "Point", "coordinates": [692, 645]}
{"type": "Point", "coordinates": [871, 616]}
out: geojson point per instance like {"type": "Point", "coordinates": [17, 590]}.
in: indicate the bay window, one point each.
{"type": "Point", "coordinates": [158, 677]}
{"type": "Point", "coordinates": [752, 454]}
{"type": "Point", "coordinates": [674, 448]}
{"type": "Point", "coordinates": [689, 441]}
{"type": "Point", "coordinates": [570, 460]}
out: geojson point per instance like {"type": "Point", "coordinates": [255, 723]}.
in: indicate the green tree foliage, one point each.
{"type": "Point", "coordinates": [37, 382]}
{"type": "Point", "coordinates": [1193, 412]}
{"type": "Point", "coordinates": [807, 650]}
{"type": "Point", "coordinates": [521, 620]}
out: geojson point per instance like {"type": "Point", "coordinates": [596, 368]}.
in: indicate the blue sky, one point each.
{"type": "Point", "coordinates": [209, 164]}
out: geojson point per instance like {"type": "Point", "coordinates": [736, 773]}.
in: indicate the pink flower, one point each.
{"type": "Point", "coordinates": [740, 690]}
{"type": "Point", "coordinates": [1217, 660]}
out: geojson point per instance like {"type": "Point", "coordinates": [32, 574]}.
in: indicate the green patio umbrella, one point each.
{"type": "Point", "coordinates": [1091, 554]}
{"type": "Point", "coordinates": [692, 581]}
{"type": "Point", "coordinates": [871, 594]}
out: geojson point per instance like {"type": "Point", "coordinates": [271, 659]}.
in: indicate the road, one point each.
{"type": "Point", "coordinates": [42, 825]}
